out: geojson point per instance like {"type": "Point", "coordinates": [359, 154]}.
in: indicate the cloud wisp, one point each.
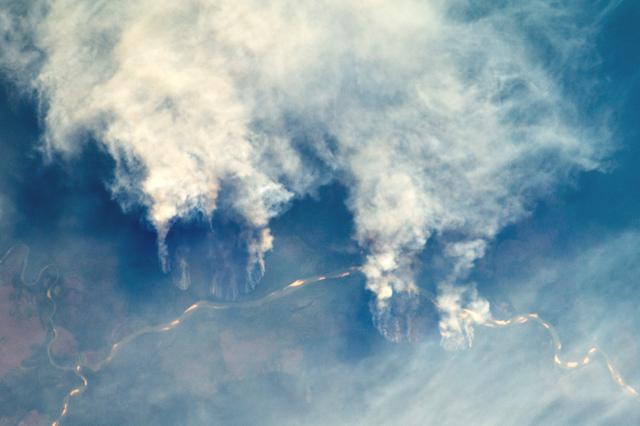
{"type": "Point", "coordinates": [436, 118]}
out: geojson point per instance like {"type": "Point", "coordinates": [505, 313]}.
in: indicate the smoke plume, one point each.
{"type": "Point", "coordinates": [436, 117]}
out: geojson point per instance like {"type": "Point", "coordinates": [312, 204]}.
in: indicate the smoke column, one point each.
{"type": "Point", "coordinates": [438, 117]}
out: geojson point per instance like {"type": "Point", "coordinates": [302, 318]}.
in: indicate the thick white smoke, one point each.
{"type": "Point", "coordinates": [434, 121]}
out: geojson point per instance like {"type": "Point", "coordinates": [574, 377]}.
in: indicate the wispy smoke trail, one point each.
{"type": "Point", "coordinates": [436, 118]}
